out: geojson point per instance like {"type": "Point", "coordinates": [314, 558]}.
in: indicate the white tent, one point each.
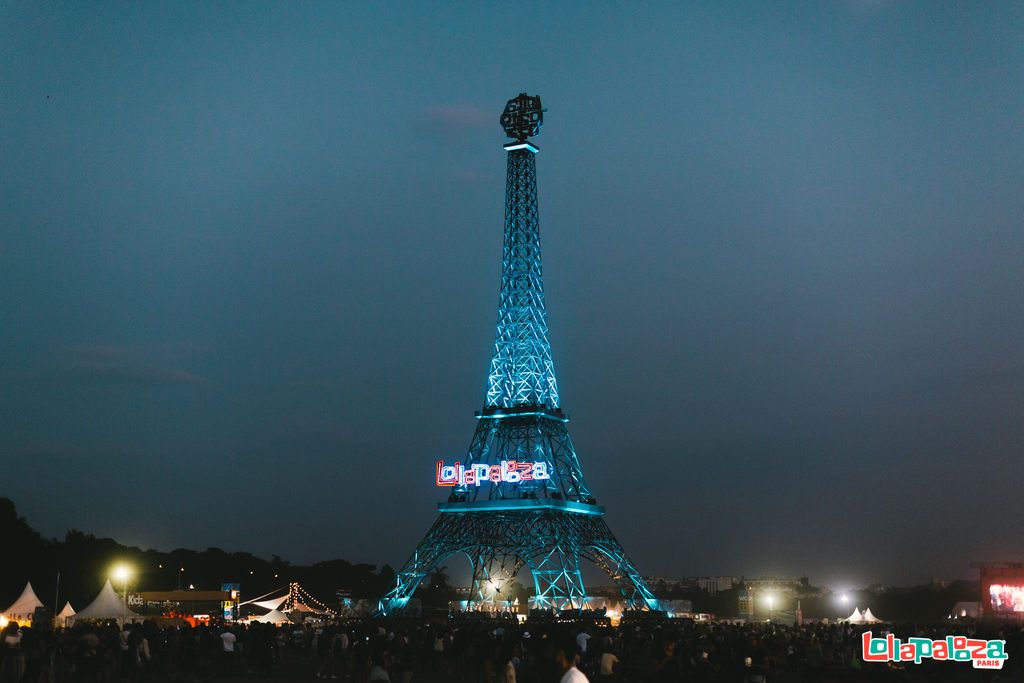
{"type": "Point", "coordinates": [870, 618]}
{"type": "Point", "coordinates": [107, 605]}
{"type": "Point", "coordinates": [866, 618]}
{"type": "Point", "coordinates": [24, 606]}
{"type": "Point", "coordinates": [968, 610]}
{"type": "Point", "coordinates": [65, 615]}
{"type": "Point", "coordinates": [272, 617]}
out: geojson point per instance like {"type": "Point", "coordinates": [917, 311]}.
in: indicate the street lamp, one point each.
{"type": "Point", "coordinates": [122, 573]}
{"type": "Point", "coordinates": [771, 599]}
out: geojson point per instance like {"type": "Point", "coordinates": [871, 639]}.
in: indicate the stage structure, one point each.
{"type": "Point", "coordinates": [518, 499]}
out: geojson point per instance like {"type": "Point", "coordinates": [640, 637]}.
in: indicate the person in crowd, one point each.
{"type": "Point", "coordinates": [582, 639]}
{"type": "Point", "coordinates": [378, 667]}
{"type": "Point", "coordinates": [608, 661]}
{"type": "Point", "coordinates": [565, 659]}
{"type": "Point", "coordinates": [473, 649]}
{"type": "Point", "coordinates": [228, 640]}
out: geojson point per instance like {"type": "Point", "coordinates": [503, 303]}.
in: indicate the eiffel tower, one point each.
{"type": "Point", "coordinates": [548, 523]}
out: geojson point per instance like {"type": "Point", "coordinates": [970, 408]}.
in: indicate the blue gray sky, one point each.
{"type": "Point", "coordinates": [250, 254]}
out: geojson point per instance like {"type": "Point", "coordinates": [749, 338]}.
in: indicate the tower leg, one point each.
{"type": "Point", "coordinates": [557, 579]}
{"type": "Point", "coordinates": [609, 555]}
{"type": "Point", "coordinates": [441, 541]}
{"type": "Point", "coordinates": [493, 572]}
{"type": "Point", "coordinates": [552, 544]}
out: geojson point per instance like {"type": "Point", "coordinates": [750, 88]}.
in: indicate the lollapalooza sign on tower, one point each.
{"type": "Point", "coordinates": [518, 498]}
{"type": "Point", "coordinates": [508, 471]}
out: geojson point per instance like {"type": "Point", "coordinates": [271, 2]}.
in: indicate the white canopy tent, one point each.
{"type": "Point", "coordinates": [24, 606]}
{"type": "Point", "coordinates": [966, 610]}
{"type": "Point", "coordinates": [862, 618]}
{"type": "Point", "coordinates": [65, 614]}
{"type": "Point", "coordinates": [107, 605]}
{"type": "Point", "coordinates": [870, 618]}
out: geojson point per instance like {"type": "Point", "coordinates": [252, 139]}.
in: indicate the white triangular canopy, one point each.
{"type": "Point", "coordinates": [24, 606]}
{"type": "Point", "coordinates": [870, 618]}
{"type": "Point", "coordinates": [271, 604]}
{"type": "Point", "coordinates": [856, 617]}
{"type": "Point", "coordinates": [65, 614]}
{"type": "Point", "coordinates": [107, 605]}
{"type": "Point", "coordinates": [272, 617]}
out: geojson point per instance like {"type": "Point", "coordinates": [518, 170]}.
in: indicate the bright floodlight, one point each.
{"type": "Point", "coordinates": [845, 598]}
{"type": "Point", "coordinates": [122, 572]}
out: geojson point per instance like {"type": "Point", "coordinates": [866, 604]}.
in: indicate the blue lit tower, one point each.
{"type": "Point", "coordinates": [547, 525]}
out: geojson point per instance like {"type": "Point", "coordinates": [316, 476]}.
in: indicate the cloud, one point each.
{"type": "Point", "coordinates": [112, 364]}
{"type": "Point", "coordinates": [461, 116]}
{"type": "Point", "coordinates": [466, 176]}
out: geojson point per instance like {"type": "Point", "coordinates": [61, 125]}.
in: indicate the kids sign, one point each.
{"type": "Point", "coordinates": [508, 471]}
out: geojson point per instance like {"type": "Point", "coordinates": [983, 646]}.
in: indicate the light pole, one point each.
{"type": "Point", "coordinates": [122, 573]}
{"type": "Point", "coordinates": [771, 599]}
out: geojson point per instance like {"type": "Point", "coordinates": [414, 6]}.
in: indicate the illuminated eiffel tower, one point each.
{"type": "Point", "coordinates": [519, 499]}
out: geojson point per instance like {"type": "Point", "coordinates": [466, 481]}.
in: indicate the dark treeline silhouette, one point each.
{"type": "Point", "coordinates": [84, 563]}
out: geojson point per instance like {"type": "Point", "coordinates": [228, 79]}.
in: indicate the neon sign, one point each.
{"type": "Point", "coordinates": [508, 471]}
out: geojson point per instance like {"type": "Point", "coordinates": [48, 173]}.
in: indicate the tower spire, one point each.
{"type": "Point", "coordinates": [522, 371]}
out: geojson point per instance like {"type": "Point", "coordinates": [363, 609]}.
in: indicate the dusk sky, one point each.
{"type": "Point", "coordinates": [250, 257]}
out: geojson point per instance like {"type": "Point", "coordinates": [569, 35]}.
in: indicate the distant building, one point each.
{"type": "Point", "coordinates": [669, 582]}
{"type": "Point", "coordinates": [709, 584]}
{"type": "Point", "coordinates": [715, 584]}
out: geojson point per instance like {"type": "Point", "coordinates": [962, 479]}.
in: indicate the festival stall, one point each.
{"type": "Point", "coordinates": [107, 605]}
{"type": "Point", "coordinates": [23, 608]}
{"type": "Point", "coordinates": [64, 618]}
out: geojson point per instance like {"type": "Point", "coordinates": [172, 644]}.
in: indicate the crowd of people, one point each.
{"type": "Point", "coordinates": [489, 651]}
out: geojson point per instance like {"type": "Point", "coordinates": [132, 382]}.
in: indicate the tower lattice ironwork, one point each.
{"type": "Point", "coordinates": [548, 525]}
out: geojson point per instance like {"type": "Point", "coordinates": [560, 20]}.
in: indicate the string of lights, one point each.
{"type": "Point", "coordinates": [297, 595]}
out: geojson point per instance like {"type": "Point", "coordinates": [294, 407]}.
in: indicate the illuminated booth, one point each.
{"type": "Point", "coordinates": [190, 605]}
